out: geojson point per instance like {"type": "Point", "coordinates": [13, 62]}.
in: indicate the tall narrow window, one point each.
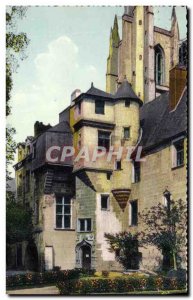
{"type": "Point", "coordinates": [118, 165]}
{"type": "Point", "coordinates": [133, 213]}
{"type": "Point", "coordinates": [136, 172]}
{"type": "Point", "coordinates": [99, 107]}
{"type": "Point", "coordinates": [63, 212]}
{"type": "Point", "coordinates": [178, 153]}
{"type": "Point", "coordinates": [159, 65]}
{"type": "Point", "coordinates": [104, 202]}
{"type": "Point", "coordinates": [126, 133]}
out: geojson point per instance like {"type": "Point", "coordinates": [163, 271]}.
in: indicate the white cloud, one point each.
{"type": "Point", "coordinates": [58, 71]}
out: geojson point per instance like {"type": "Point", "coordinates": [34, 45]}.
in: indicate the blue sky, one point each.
{"type": "Point", "coordinates": [68, 49]}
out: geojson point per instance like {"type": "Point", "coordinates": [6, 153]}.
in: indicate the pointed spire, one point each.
{"type": "Point", "coordinates": [115, 21]}
{"type": "Point", "coordinates": [174, 21]}
{"type": "Point", "coordinates": [173, 13]}
{"type": "Point", "coordinates": [115, 33]}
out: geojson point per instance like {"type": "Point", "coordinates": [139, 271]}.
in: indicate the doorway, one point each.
{"type": "Point", "coordinates": [86, 257]}
{"type": "Point", "coordinates": [31, 257]}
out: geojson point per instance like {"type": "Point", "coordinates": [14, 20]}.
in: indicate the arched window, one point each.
{"type": "Point", "coordinates": [159, 65]}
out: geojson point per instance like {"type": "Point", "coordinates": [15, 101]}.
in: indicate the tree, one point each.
{"type": "Point", "coordinates": [18, 220]}
{"type": "Point", "coordinates": [125, 247]}
{"type": "Point", "coordinates": [165, 228]}
{"type": "Point", "coordinates": [19, 225]}
{"type": "Point", "coordinates": [16, 44]}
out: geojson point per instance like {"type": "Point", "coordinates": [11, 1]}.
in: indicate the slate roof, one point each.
{"type": "Point", "coordinates": [159, 124]}
{"type": "Point", "coordinates": [60, 127]}
{"type": "Point", "coordinates": [125, 91]}
{"type": "Point", "coordinates": [96, 92]}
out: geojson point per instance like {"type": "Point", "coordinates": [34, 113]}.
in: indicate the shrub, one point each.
{"type": "Point", "coordinates": [118, 285]}
{"type": "Point", "coordinates": [44, 277]}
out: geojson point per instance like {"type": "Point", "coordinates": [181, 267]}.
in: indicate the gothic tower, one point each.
{"type": "Point", "coordinates": [145, 54]}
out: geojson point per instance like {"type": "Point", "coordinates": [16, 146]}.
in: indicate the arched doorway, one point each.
{"type": "Point", "coordinates": [83, 255]}
{"type": "Point", "coordinates": [31, 257]}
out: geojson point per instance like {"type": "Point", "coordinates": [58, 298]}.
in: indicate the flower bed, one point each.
{"type": "Point", "coordinates": [119, 285]}
{"type": "Point", "coordinates": [47, 277]}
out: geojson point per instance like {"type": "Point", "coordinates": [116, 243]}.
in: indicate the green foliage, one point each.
{"type": "Point", "coordinates": [16, 44]}
{"type": "Point", "coordinates": [10, 149]}
{"type": "Point", "coordinates": [165, 227]}
{"type": "Point", "coordinates": [18, 222]}
{"type": "Point", "coordinates": [125, 246]}
{"type": "Point", "coordinates": [119, 285]}
{"type": "Point", "coordinates": [46, 277]}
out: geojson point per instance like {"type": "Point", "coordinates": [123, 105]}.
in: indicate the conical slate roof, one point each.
{"type": "Point", "coordinates": [125, 91]}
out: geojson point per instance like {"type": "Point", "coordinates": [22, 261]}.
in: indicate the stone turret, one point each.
{"type": "Point", "coordinates": [126, 112]}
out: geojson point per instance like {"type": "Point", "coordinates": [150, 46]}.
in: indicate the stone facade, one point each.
{"type": "Point", "coordinates": [76, 202]}
{"type": "Point", "coordinates": [135, 57]}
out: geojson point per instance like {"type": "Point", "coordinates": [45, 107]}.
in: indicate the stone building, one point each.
{"type": "Point", "coordinates": [76, 201]}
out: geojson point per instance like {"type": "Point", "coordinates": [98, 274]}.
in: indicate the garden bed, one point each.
{"type": "Point", "coordinates": [120, 285]}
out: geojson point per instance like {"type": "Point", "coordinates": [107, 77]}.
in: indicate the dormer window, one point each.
{"type": "Point", "coordinates": [99, 107]}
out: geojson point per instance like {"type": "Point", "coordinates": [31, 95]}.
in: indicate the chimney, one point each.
{"type": "Point", "coordinates": [178, 80]}
{"type": "Point", "coordinates": [74, 95]}
{"type": "Point", "coordinates": [39, 128]}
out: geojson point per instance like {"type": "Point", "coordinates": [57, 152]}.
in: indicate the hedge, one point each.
{"type": "Point", "coordinates": [47, 277]}
{"type": "Point", "coordinates": [119, 285]}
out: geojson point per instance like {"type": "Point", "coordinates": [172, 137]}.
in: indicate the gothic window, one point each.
{"type": "Point", "coordinates": [159, 65]}
{"type": "Point", "coordinates": [63, 212]}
